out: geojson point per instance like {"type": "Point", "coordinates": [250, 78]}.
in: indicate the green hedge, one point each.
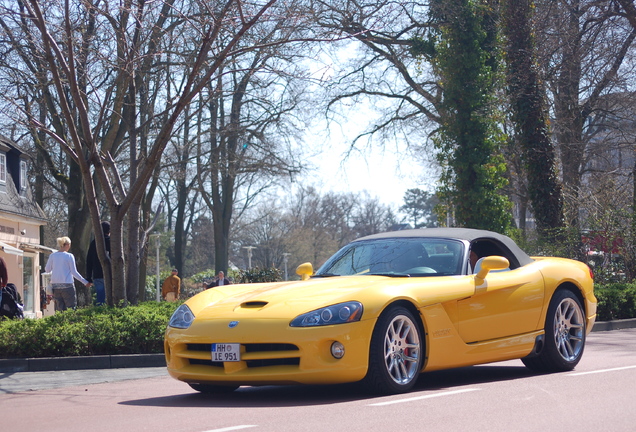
{"type": "Point", "coordinates": [616, 301]}
{"type": "Point", "coordinates": [88, 331]}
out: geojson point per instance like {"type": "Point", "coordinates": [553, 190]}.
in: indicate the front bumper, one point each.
{"type": "Point", "coordinates": [271, 353]}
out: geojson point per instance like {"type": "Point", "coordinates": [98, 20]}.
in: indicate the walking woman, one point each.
{"type": "Point", "coordinates": [61, 265]}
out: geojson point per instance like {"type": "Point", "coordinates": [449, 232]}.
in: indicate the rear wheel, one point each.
{"type": "Point", "coordinates": [564, 335]}
{"type": "Point", "coordinates": [213, 389]}
{"type": "Point", "coordinates": [395, 355]}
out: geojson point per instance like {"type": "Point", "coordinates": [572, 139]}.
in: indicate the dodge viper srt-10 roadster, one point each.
{"type": "Point", "coordinates": [385, 308]}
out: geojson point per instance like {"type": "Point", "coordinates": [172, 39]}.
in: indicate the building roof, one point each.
{"type": "Point", "coordinates": [11, 200]}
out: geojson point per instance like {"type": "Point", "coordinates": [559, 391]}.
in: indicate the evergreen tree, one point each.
{"type": "Point", "coordinates": [469, 138]}
{"type": "Point", "coordinates": [419, 205]}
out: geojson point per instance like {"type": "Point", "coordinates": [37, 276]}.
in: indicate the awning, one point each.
{"type": "Point", "coordinates": [10, 249]}
{"type": "Point", "coordinates": [37, 248]}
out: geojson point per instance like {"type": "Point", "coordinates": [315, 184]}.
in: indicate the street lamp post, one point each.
{"type": "Point", "coordinates": [285, 259]}
{"type": "Point", "coordinates": [157, 244]}
{"type": "Point", "coordinates": [249, 255]}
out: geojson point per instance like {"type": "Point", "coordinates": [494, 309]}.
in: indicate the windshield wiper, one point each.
{"type": "Point", "coordinates": [321, 275]}
{"type": "Point", "coordinates": [388, 274]}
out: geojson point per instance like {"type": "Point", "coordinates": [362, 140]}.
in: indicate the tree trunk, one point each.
{"type": "Point", "coordinates": [133, 256]}
{"type": "Point", "coordinates": [569, 125]}
{"type": "Point", "coordinates": [221, 221]}
{"type": "Point", "coordinates": [79, 229]}
{"type": "Point", "coordinates": [117, 261]}
{"type": "Point", "coordinates": [181, 180]}
{"type": "Point", "coordinates": [531, 121]}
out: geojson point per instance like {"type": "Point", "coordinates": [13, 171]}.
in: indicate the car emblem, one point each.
{"type": "Point", "coordinates": [233, 324]}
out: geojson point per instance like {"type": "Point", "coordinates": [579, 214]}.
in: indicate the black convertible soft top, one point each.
{"type": "Point", "coordinates": [468, 234]}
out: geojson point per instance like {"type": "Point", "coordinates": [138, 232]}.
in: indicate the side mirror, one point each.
{"type": "Point", "coordinates": [305, 270]}
{"type": "Point", "coordinates": [491, 263]}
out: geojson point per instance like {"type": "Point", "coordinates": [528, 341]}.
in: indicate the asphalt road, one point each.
{"type": "Point", "coordinates": [598, 396]}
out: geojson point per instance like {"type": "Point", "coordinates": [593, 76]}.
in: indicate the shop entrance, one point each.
{"type": "Point", "coordinates": [30, 297]}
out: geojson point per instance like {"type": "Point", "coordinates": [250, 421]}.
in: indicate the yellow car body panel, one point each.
{"type": "Point", "coordinates": [446, 349]}
{"type": "Point", "coordinates": [578, 275]}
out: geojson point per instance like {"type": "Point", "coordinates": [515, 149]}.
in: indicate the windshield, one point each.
{"type": "Point", "coordinates": [397, 257]}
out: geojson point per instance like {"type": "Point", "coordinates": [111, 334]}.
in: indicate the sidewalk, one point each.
{"type": "Point", "coordinates": [158, 360]}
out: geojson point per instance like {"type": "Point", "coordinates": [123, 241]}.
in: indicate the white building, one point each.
{"type": "Point", "coordinates": [20, 221]}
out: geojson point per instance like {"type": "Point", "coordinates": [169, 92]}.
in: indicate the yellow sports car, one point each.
{"type": "Point", "coordinates": [384, 309]}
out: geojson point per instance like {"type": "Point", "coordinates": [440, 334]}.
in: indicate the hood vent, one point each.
{"type": "Point", "coordinates": [254, 304]}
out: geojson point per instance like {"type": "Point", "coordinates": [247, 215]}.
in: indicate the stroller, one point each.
{"type": "Point", "coordinates": [11, 305]}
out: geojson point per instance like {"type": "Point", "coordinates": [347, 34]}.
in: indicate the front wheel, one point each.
{"type": "Point", "coordinates": [396, 352]}
{"type": "Point", "coordinates": [564, 335]}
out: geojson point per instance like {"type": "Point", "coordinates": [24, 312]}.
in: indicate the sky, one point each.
{"type": "Point", "coordinates": [384, 169]}
{"type": "Point", "coordinates": [377, 168]}
{"type": "Point", "coordinates": [381, 173]}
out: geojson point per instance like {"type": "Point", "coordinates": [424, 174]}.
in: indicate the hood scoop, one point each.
{"type": "Point", "coordinates": [254, 304]}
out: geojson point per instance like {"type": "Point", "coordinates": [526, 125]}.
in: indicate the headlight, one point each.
{"type": "Point", "coordinates": [336, 314]}
{"type": "Point", "coordinates": [182, 317]}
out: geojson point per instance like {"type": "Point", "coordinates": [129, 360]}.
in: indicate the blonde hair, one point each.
{"type": "Point", "coordinates": [62, 241]}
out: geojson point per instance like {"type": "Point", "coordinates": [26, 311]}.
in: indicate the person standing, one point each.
{"type": "Point", "coordinates": [61, 265]}
{"type": "Point", "coordinates": [94, 271]}
{"type": "Point", "coordinates": [220, 280]}
{"type": "Point", "coordinates": [4, 274]}
{"type": "Point", "coordinates": [171, 287]}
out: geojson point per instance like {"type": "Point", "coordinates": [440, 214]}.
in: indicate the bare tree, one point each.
{"type": "Point", "coordinates": [29, 93]}
{"type": "Point", "coordinates": [268, 231]}
{"type": "Point", "coordinates": [311, 227]}
{"type": "Point", "coordinates": [129, 40]}
{"type": "Point", "coordinates": [584, 47]}
{"type": "Point", "coordinates": [370, 216]}
{"type": "Point", "coordinates": [382, 70]}
{"type": "Point", "coordinates": [249, 111]}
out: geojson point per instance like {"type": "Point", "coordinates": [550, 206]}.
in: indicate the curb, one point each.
{"type": "Point", "coordinates": [614, 325]}
{"type": "Point", "coordinates": [86, 362]}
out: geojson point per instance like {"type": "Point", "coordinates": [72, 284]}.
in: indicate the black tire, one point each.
{"type": "Point", "coordinates": [564, 339]}
{"type": "Point", "coordinates": [396, 352]}
{"type": "Point", "coordinates": [213, 389]}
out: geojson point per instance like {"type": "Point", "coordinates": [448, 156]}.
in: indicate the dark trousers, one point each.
{"type": "Point", "coordinates": [64, 296]}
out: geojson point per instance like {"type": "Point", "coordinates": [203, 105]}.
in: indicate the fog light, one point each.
{"type": "Point", "coordinates": [337, 350]}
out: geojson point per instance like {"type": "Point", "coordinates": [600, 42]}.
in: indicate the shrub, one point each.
{"type": "Point", "coordinates": [89, 331]}
{"type": "Point", "coordinates": [198, 282]}
{"type": "Point", "coordinates": [616, 301]}
{"type": "Point", "coordinates": [256, 275]}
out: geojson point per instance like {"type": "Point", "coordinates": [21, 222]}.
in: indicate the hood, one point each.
{"type": "Point", "coordinates": [283, 299]}
{"type": "Point", "coordinates": [290, 299]}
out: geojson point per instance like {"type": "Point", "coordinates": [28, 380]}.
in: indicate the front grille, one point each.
{"type": "Point", "coordinates": [256, 347]}
{"type": "Point", "coordinates": [294, 361]}
{"type": "Point", "coordinates": [206, 363]}
{"type": "Point", "coordinates": [266, 350]}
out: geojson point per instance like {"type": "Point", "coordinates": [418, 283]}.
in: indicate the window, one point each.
{"type": "Point", "coordinates": [3, 168]}
{"type": "Point", "coordinates": [23, 175]}
{"type": "Point", "coordinates": [397, 257]}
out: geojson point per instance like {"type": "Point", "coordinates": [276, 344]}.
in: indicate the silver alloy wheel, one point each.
{"type": "Point", "coordinates": [402, 349]}
{"type": "Point", "coordinates": [568, 329]}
